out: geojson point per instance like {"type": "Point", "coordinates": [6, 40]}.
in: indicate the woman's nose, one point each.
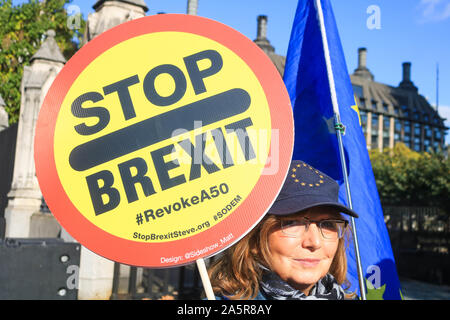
{"type": "Point", "coordinates": [312, 238]}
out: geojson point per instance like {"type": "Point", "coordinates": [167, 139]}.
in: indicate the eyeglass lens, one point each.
{"type": "Point", "coordinates": [330, 229]}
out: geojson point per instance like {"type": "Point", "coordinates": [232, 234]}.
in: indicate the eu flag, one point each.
{"type": "Point", "coordinates": [308, 80]}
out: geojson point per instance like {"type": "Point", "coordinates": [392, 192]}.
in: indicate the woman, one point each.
{"type": "Point", "coordinates": [297, 251]}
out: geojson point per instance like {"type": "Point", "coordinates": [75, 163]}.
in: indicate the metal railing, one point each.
{"type": "Point", "coordinates": [420, 238]}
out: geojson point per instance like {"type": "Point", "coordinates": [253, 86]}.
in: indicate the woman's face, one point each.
{"type": "Point", "coordinates": [302, 261]}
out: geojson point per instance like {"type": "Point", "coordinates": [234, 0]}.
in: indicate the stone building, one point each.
{"type": "Point", "coordinates": [391, 114]}
{"type": "Point", "coordinates": [388, 114]}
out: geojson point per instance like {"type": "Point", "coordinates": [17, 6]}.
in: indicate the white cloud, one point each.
{"type": "Point", "coordinates": [433, 10]}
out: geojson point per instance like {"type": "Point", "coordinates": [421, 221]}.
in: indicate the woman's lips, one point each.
{"type": "Point", "coordinates": [309, 263]}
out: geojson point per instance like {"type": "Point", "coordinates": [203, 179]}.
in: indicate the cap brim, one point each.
{"type": "Point", "coordinates": [284, 207]}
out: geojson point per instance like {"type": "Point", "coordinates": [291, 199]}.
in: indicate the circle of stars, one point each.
{"type": "Point", "coordinates": [303, 183]}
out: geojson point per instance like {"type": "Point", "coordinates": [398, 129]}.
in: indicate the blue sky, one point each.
{"type": "Point", "coordinates": [416, 31]}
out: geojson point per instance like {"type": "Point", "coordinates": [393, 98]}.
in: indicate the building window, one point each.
{"type": "Point", "coordinates": [358, 91]}
{"type": "Point", "coordinates": [417, 129]}
{"type": "Point", "coordinates": [363, 116]}
{"type": "Point", "coordinates": [416, 116]}
{"type": "Point", "coordinates": [362, 103]}
{"type": "Point", "coordinates": [398, 125]}
{"type": "Point", "coordinates": [417, 144]}
{"type": "Point", "coordinates": [436, 146]}
{"type": "Point", "coordinates": [375, 126]}
{"type": "Point", "coordinates": [386, 124]}
{"type": "Point", "coordinates": [428, 131]}
{"type": "Point", "coordinates": [375, 123]}
{"type": "Point", "coordinates": [374, 105]}
{"type": "Point", "coordinates": [407, 128]}
{"type": "Point", "coordinates": [426, 118]}
{"type": "Point", "coordinates": [427, 145]}
{"type": "Point", "coordinates": [374, 141]}
{"type": "Point", "coordinates": [405, 111]}
{"type": "Point", "coordinates": [437, 134]}
{"type": "Point", "coordinates": [408, 140]}
{"type": "Point", "coordinates": [386, 131]}
{"type": "Point", "coordinates": [385, 107]}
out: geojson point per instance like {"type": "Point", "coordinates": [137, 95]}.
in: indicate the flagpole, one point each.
{"type": "Point", "coordinates": [339, 131]}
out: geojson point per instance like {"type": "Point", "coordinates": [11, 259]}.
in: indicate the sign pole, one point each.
{"type": "Point", "coordinates": [205, 279]}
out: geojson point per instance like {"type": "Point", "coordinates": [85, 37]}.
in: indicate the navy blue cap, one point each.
{"type": "Point", "coordinates": [306, 187]}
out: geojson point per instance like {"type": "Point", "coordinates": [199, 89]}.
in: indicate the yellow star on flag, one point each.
{"type": "Point", "coordinates": [356, 109]}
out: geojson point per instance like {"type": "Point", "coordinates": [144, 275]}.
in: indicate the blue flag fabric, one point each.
{"type": "Point", "coordinates": [316, 142]}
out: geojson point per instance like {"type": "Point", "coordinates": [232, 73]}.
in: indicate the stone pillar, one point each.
{"type": "Point", "coordinates": [25, 197]}
{"type": "Point", "coordinates": [111, 13]}
{"type": "Point", "coordinates": [392, 133]}
{"type": "Point", "coordinates": [95, 277]}
{"type": "Point", "coordinates": [96, 273]}
{"type": "Point", "coordinates": [362, 70]}
{"type": "Point", "coordinates": [192, 7]}
{"type": "Point", "coordinates": [261, 35]}
{"type": "Point", "coordinates": [369, 130]}
{"type": "Point", "coordinates": [406, 80]}
{"type": "Point", "coordinates": [362, 58]}
{"type": "Point", "coordinates": [407, 71]}
{"type": "Point", "coordinates": [261, 32]}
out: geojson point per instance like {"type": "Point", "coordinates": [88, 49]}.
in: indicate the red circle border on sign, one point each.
{"type": "Point", "coordinates": [248, 213]}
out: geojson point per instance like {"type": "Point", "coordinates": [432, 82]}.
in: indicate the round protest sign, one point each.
{"type": "Point", "coordinates": [164, 140]}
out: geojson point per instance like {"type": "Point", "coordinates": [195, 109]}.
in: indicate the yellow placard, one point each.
{"type": "Point", "coordinates": [196, 126]}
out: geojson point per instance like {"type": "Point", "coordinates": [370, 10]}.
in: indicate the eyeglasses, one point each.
{"type": "Point", "coordinates": [330, 229]}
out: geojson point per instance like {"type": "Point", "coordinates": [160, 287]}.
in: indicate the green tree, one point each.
{"type": "Point", "coordinates": [22, 29]}
{"type": "Point", "coordinates": [431, 181]}
{"type": "Point", "coordinates": [405, 177]}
